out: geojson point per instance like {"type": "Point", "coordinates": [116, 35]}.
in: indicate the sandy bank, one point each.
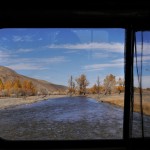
{"type": "Point", "coordinates": [118, 99]}
{"type": "Point", "coordinates": [10, 102]}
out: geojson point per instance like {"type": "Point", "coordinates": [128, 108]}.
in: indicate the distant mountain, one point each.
{"type": "Point", "coordinates": [9, 74]}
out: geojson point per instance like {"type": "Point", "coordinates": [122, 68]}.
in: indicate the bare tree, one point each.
{"type": "Point", "coordinates": [120, 86]}
{"type": "Point", "coordinates": [71, 86]}
{"type": "Point", "coordinates": [120, 82]}
{"type": "Point", "coordinates": [82, 83]}
{"type": "Point", "coordinates": [109, 83]}
{"type": "Point", "coordinates": [98, 86]}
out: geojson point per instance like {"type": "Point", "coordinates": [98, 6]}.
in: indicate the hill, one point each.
{"type": "Point", "coordinates": [7, 74]}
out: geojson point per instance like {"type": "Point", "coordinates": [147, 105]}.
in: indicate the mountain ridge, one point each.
{"type": "Point", "coordinates": [9, 74]}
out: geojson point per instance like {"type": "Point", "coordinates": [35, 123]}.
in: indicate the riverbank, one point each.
{"type": "Point", "coordinates": [7, 102]}
{"type": "Point", "coordinates": [114, 99]}
{"type": "Point", "coordinates": [118, 100]}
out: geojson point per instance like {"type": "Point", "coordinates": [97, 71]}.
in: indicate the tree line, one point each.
{"type": "Point", "coordinates": [17, 88]}
{"type": "Point", "coordinates": [78, 86]}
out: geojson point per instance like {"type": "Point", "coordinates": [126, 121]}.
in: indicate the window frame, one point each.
{"type": "Point", "coordinates": [83, 20]}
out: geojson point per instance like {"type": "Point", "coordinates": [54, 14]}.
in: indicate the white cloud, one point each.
{"type": "Point", "coordinates": [112, 47]}
{"type": "Point", "coordinates": [31, 63]}
{"type": "Point", "coordinates": [58, 59]}
{"type": "Point", "coordinates": [25, 38]}
{"type": "Point", "coordinates": [70, 52]}
{"type": "Point", "coordinates": [145, 81]}
{"type": "Point", "coordinates": [146, 48]}
{"type": "Point", "coordinates": [100, 55]}
{"type": "Point", "coordinates": [17, 38]}
{"type": "Point", "coordinates": [24, 50]}
{"type": "Point", "coordinates": [4, 54]}
{"type": "Point", "coordinates": [145, 58]}
{"type": "Point", "coordinates": [23, 66]}
{"type": "Point", "coordinates": [48, 60]}
{"type": "Point", "coordinates": [145, 61]}
{"type": "Point", "coordinates": [102, 66]}
{"type": "Point", "coordinates": [121, 60]}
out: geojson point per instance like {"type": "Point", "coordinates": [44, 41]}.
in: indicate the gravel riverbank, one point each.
{"type": "Point", "coordinates": [6, 102]}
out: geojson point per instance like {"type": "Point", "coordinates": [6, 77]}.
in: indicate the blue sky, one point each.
{"type": "Point", "coordinates": [145, 58]}
{"type": "Point", "coordinates": [54, 54]}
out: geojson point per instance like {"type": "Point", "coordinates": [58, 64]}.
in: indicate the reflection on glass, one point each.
{"type": "Point", "coordinates": [67, 83]}
{"type": "Point", "coordinates": [141, 115]}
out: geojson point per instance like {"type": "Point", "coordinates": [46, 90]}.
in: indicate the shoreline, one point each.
{"type": "Point", "coordinates": [114, 99]}
{"type": "Point", "coordinates": [118, 100]}
{"type": "Point", "coordinates": [8, 102]}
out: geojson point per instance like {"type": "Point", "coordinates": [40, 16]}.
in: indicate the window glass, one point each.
{"type": "Point", "coordinates": [141, 107]}
{"type": "Point", "coordinates": [62, 83]}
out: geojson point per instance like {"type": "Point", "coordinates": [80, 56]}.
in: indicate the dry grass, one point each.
{"type": "Point", "coordinates": [118, 99]}
{"type": "Point", "coordinates": [115, 99]}
{"type": "Point", "coordinates": [145, 102]}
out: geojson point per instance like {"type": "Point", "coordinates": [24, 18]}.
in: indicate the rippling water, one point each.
{"type": "Point", "coordinates": [69, 118]}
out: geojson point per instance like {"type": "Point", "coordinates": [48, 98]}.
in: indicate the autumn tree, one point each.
{"type": "Point", "coordinates": [17, 88]}
{"type": "Point", "coordinates": [71, 86]}
{"type": "Point", "coordinates": [17, 84]}
{"type": "Point", "coordinates": [8, 84]}
{"type": "Point", "coordinates": [96, 88]}
{"type": "Point", "coordinates": [120, 87]}
{"type": "Point", "coordinates": [82, 83]}
{"type": "Point", "coordinates": [7, 87]}
{"type": "Point", "coordinates": [28, 88]}
{"type": "Point", "coordinates": [109, 83]}
{"type": "Point", "coordinates": [1, 85]}
{"type": "Point", "coordinates": [93, 89]}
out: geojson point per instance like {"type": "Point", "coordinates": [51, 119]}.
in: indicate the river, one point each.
{"type": "Point", "coordinates": [67, 118]}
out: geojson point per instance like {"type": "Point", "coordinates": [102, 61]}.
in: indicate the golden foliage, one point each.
{"type": "Point", "coordinates": [82, 82]}
{"type": "Point", "coordinates": [1, 85]}
{"type": "Point", "coordinates": [120, 88]}
{"type": "Point", "coordinates": [16, 87]}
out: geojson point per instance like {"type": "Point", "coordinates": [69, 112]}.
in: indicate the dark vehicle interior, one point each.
{"type": "Point", "coordinates": [133, 17]}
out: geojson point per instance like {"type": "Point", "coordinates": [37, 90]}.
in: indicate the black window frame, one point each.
{"type": "Point", "coordinates": [84, 19]}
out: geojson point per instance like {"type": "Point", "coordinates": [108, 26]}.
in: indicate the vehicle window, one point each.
{"type": "Point", "coordinates": [63, 83]}
{"type": "Point", "coordinates": [141, 105]}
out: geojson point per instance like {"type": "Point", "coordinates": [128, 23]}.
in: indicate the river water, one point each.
{"type": "Point", "coordinates": [67, 118]}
